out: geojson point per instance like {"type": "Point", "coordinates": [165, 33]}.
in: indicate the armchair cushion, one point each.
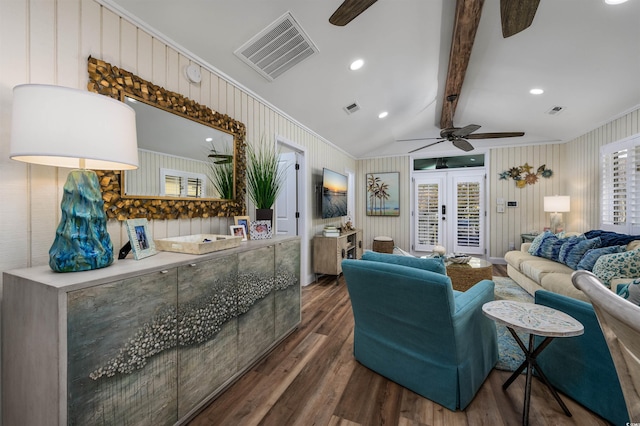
{"type": "Point", "coordinates": [411, 327]}
{"type": "Point", "coordinates": [433, 264]}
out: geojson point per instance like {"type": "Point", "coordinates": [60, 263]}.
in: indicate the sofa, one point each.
{"type": "Point", "coordinates": [581, 366]}
{"type": "Point", "coordinates": [548, 262]}
{"type": "Point", "coordinates": [414, 329]}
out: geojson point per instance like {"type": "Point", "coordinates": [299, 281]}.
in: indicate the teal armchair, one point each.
{"type": "Point", "coordinates": [581, 367]}
{"type": "Point", "coordinates": [414, 329]}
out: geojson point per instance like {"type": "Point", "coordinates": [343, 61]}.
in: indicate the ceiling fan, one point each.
{"type": "Point", "coordinates": [458, 137]}
{"type": "Point", "coordinates": [515, 15]}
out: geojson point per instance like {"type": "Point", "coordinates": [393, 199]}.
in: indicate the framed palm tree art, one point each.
{"type": "Point", "coordinates": [383, 194]}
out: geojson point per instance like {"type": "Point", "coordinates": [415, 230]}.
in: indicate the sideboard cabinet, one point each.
{"type": "Point", "coordinates": [146, 342]}
{"type": "Point", "coordinates": [328, 252]}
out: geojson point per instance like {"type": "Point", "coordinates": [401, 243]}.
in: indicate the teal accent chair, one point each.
{"type": "Point", "coordinates": [414, 329]}
{"type": "Point", "coordinates": [581, 367]}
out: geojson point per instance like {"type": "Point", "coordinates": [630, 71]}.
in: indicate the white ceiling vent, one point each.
{"type": "Point", "coordinates": [350, 109]}
{"type": "Point", "coordinates": [555, 110]}
{"type": "Point", "coordinates": [277, 48]}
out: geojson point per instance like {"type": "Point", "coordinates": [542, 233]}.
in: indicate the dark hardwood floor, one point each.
{"type": "Point", "coordinates": [311, 378]}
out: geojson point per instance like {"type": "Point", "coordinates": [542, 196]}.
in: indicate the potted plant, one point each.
{"type": "Point", "coordinates": [221, 167]}
{"type": "Point", "coordinates": [264, 178]}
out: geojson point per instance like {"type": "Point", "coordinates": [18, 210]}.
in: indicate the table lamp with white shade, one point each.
{"type": "Point", "coordinates": [64, 127]}
{"type": "Point", "coordinates": [556, 205]}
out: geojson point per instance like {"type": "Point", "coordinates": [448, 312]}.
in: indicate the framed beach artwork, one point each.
{"type": "Point", "coordinates": [383, 194]}
{"type": "Point", "coordinates": [140, 238]}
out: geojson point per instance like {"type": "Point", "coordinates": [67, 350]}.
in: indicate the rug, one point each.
{"type": "Point", "coordinates": [510, 355]}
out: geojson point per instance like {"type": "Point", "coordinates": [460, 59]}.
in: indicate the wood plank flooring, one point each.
{"type": "Point", "coordinates": [312, 379]}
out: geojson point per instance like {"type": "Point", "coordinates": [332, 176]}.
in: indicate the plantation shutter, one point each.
{"type": "Point", "coordinates": [620, 172]}
{"type": "Point", "coordinates": [427, 213]}
{"type": "Point", "coordinates": [172, 185]}
{"type": "Point", "coordinates": [469, 214]}
{"type": "Point", "coordinates": [182, 184]}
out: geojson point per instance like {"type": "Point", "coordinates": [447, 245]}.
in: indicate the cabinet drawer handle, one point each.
{"type": "Point", "coordinates": [343, 253]}
{"type": "Point", "coordinates": [164, 272]}
{"type": "Point", "coordinates": [359, 244]}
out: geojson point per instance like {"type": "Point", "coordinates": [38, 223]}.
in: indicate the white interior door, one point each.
{"type": "Point", "coordinates": [287, 202]}
{"type": "Point", "coordinates": [449, 211]}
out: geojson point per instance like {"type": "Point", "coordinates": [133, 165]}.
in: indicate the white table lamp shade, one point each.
{"type": "Point", "coordinates": [59, 126]}
{"type": "Point", "coordinates": [557, 203]}
{"type": "Point", "coordinates": [63, 127]}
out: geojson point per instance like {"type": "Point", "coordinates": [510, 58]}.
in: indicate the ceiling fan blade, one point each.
{"type": "Point", "coordinates": [463, 132]}
{"type": "Point", "coordinates": [415, 139]}
{"type": "Point", "coordinates": [517, 15]}
{"type": "Point", "coordinates": [427, 146]}
{"type": "Point", "coordinates": [349, 10]}
{"type": "Point", "coordinates": [495, 135]}
{"type": "Point", "coordinates": [462, 144]}
{"type": "Point", "coordinates": [465, 26]}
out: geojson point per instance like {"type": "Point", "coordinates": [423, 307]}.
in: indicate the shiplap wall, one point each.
{"type": "Point", "coordinates": [505, 228]}
{"type": "Point", "coordinates": [398, 227]}
{"type": "Point", "coordinates": [583, 155]}
{"type": "Point", "coordinates": [49, 42]}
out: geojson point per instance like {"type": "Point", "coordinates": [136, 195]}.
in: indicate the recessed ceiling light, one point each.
{"type": "Point", "coordinates": [356, 65]}
{"type": "Point", "coordinates": [615, 1]}
{"type": "Point", "coordinates": [208, 139]}
{"type": "Point", "coordinates": [383, 114]}
{"type": "Point", "coordinates": [536, 91]}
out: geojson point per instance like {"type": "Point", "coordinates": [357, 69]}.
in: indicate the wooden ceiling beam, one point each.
{"type": "Point", "coordinates": [467, 18]}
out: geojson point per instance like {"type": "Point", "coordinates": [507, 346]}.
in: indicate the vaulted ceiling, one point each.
{"type": "Point", "coordinates": [584, 54]}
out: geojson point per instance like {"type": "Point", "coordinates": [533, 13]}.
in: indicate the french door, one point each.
{"type": "Point", "coordinates": [449, 211]}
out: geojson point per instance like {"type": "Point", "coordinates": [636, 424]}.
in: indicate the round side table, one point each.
{"type": "Point", "coordinates": [536, 320]}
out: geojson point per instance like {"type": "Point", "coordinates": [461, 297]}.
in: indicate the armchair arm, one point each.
{"type": "Point", "coordinates": [471, 326]}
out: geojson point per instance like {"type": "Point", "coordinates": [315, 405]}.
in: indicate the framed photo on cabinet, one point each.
{"type": "Point", "coordinates": [140, 238]}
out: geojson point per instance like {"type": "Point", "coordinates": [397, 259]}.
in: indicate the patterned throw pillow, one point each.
{"type": "Point", "coordinates": [551, 245]}
{"type": "Point", "coordinates": [572, 251]}
{"type": "Point", "coordinates": [536, 242]}
{"type": "Point", "coordinates": [591, 256]}
{"type": "Point", "coordinates": [617, 265]}
{"type": "Point", "coordinates": [631, 292]}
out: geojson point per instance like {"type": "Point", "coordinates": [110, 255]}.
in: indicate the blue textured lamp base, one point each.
{"type": "Point", "coordinates": [82, 242]}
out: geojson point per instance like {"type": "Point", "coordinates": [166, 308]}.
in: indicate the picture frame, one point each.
{"type": "Point", "coordinates": [239, 231]}
{"type": "Point", "coordinates": [244, 221]}
{"type": "Point", "coordinates": [141, 240]}
{"type": "Point", "coordinates": [261, 230]}
{"type": "Point", "coordinates": [383, 194]}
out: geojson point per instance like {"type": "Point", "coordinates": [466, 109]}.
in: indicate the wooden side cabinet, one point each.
{"type": "Point", "coordinates": [328, 252]}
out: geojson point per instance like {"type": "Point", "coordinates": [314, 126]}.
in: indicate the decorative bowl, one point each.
{"type": "Point", "coordinates": [459, 259]}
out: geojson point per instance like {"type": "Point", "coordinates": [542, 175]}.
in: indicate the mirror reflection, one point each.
{"type": "Point", "coordinates": [179, 157]}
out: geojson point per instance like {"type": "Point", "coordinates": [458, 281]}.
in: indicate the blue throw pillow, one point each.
{"type": "Point", "coordinates": [434, 264]}
{"type": "Point", "coordinates": [610, 238]}
{"type": "Point", "coordinates": [550, 247]}
{"type": "Point", "coordinates": [590, 257]}
{"type": "Point", "coordinates": [536, 242]}
{"type": "Point", "coordinates": [573, 250]}
{"type": "Point", "coordinates": [631, 292]}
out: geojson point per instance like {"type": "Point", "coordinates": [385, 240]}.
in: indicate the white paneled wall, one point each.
{"type": "Point", "coordinates": [505, 228]}
{"type": "Point", "coordinates": [49, 42]}
{"type": "Point", "coordinates": [583, 172]}
{"type": "Point", "coordinates": [399, 227]}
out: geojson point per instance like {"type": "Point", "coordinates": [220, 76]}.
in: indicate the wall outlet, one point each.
{"type": "Point", "coordinates": [512, 245]}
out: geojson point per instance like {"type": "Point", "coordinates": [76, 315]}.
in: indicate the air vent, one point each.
{"type": "Point", "coordinates": [350, 109]}
{"type": "Point", "coordinates": [555, 110]}
{"type": "Point", "coordinates": [277, 48]}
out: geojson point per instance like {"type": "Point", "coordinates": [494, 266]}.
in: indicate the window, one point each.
{"type": "Point", "coordinates": [620, 178]}
{"type": "Point", "coordinates": [182, 184]}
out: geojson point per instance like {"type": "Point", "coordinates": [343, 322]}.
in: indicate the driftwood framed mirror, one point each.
{"type": "Point", "coordinates": [130, 201]}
